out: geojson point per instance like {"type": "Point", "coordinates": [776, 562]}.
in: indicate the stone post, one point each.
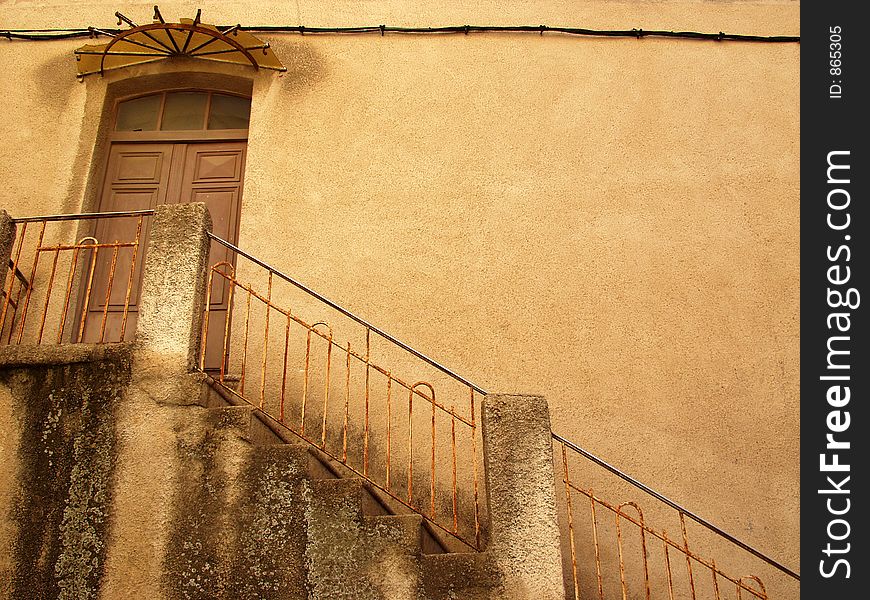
{"type": "Point", "coordinates": [524, 531]}
{"type": "Point", "coordinates": [7, 237]}
{"type": "Point", "coordinates": [173, 287]}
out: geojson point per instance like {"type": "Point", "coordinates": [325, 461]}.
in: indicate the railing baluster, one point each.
{"type": "Point", "coordinates": [69, 283]}
{"type": "Point", "coordinates": [715, 581]}
{"type": "Point", "coordinates": [131, 279]}
{"type": "Point", "coordinates": [225, 352]}
{"type": "Point", "coordinates": [366, 423]}
{"type": "Point", "coordinates": [346, 406]}
{"type": "Point", "coordinates": [570, 511]}
{"type": "Point", "coordinates": [30, 287]}
{"type": "Point", "coordinates": [88, 288]}
{"type": "Point", "coordinates": [453, 456]}
{"type": "Point", "coordinates": [432, 470]}
{"type": "Point", "coordinates": [284, 369]}
{"type": "Point", "coordinates": [619, 554]}
{"type": "Point", "coordinates": [109, 291]}
{"type": "Point", "coordinates": [266, 344]}
{"type": "Point", "coordinates": [329, 343]}
{"type": "Point", "coordinates": [326, 395]}
{"type": "Point", "coordinates": [305, 381]}
{"type": "Point", "coordinates": [668, 566]}
{"type": "Point", "coordinates": [389, 425]}
{"type": "Point", "coordinates": [204, 344]}
{"type": "Point", "coordinates": [245, 347]}
{"type": "Point", "coordinates": [47, 296]}
{"type": "Point", "coordinates": [597, 549]}
{"type": "Point", "coordinates": [475, 480]}
{"type": "Point", "coordinates": [410, 446]}
{"type": "Point", "coordinates": [12, 277]}
{"type": "Point", "coordinates": [688, 555]}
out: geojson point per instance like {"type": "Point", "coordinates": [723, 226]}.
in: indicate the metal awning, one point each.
{"type": "Point", "coordinates": [161, 40]}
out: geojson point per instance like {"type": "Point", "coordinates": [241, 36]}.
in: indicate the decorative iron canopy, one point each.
{"type": "Point", "coordinates": [161, 40]}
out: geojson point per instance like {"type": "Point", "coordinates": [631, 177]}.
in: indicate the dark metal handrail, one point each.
{"type": "Point", "coordinates": [349, 314]}
{"type": "Point", "coordinates": [85, 216]}
{"type": "Point", "coordinates": [676, 506]}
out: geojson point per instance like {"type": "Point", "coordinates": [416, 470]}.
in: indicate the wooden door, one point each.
{"type": "Point", "coordinates": [137, 178]}
{"type": "Point", "coordinates": [141, 176]}
{"type": "Point", "coordinates": [212, 174]}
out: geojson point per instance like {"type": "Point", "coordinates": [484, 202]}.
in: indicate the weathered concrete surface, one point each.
{"type": "Point", "coordinates": [237, 525]}
{"type": "Point", "coordinates": [352, 557]}
{"type": "Point", "coordinates": [7, 237]}
{"type": "Point", "coordinates": [524, 531]}
{"type": "Point", "coordinates": [66, 354]}
{"type": "Point", "coordinates": [173, 287]}
{"type": "Point", "coordinates": [268, 559]}
{"type": "Point", "coordinates": [467, 576]}
{"type": "Point", "coordinates": [58, 452]}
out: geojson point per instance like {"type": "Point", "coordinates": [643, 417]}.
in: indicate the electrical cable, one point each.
{"type": "Point", "coordinates": [69, 33]}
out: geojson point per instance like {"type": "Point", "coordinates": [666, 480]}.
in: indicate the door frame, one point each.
{"type": "Point", "coordinates": [194, 136]}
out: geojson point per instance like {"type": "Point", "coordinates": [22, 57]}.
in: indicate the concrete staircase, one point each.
{"type": "Point", "coordinates": [263, 516]}
{"type": "Point", "coordinates": [125, 474]}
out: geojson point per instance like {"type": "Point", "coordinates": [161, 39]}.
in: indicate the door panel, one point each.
{"type": "Point", "coordinates": [137, 178]}
{"type": "Point", "coordinates": [141, 176]}
{"type": "Point", "coordinates": [213, 174]}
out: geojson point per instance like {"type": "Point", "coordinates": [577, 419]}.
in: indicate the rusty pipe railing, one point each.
{"type": "Point", "coordinates": [81, 297]}
{"type": "Point", "coordinates": [701, 576]}
{"type": "Point", "coordinates": [320, 330]}
{"type": "Point", "coordinates": [348, 402]}
{"type": "Point", "coordinates": [680, 509]}
{"type": "Point", "coordinates": [349, 314]}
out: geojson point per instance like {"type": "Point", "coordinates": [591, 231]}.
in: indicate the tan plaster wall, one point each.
{"type": "Point", "coordinates": [611, 223]}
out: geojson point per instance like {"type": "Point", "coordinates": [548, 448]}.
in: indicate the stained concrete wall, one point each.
{"type": "Point", "coordinates": [610, 222]}
{"type": "Point", "coordinates": [59, 448]}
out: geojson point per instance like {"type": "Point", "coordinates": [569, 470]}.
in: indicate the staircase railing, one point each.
{"type": "Point", "coordinates": [626, 556]}
{"type": "Point", "coordinates": [303, 359]}
{"type": "Point", "coordinates": [291, 356]}
{"type": "Point", "coordinates": [387, 412]}
{"type": "Point", "coordinates": [61, 288]}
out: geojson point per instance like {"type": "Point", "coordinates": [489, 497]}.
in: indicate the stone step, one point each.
{"type": "Point", "coordinates": [403, 530]}
{"type": "Point", "coordinates": [354, 557]}
{"type": "Point", "coordinates": [470, 576]}
{"type": "Point", "coordinates": [244, 421]}
{"type": "Point", "coordinates": [237, 522]}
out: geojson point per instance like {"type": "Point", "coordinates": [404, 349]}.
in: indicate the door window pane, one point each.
{"type": "Point", "coordinates": [184, 110]}
{"type": "Point", "coordinates": [229, 112]}
{"type": "Point", "coordinates": [138, 114]}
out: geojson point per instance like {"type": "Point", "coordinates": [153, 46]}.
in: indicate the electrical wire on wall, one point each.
{"type": "Point", "coordinates": [91, 32]}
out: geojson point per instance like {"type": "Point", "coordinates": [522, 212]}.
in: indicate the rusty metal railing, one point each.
{"type": "Point", "coordinates": [604, 564]}
{"type": "Point", "coordinates": [391, 415]}
{"type": "Point", "coordinates": [88, 306]}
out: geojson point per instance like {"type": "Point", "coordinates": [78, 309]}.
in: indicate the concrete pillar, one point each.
{"type": "Point", "coordinates": [7, 237]}
{"type": "Point", "coordinates": [524, 531]}
{"type": "Point", "coordinates": [173, 286]}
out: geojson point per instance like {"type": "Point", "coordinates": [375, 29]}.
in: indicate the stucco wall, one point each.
{"type": "Point", "coordinates": [612, 223]}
